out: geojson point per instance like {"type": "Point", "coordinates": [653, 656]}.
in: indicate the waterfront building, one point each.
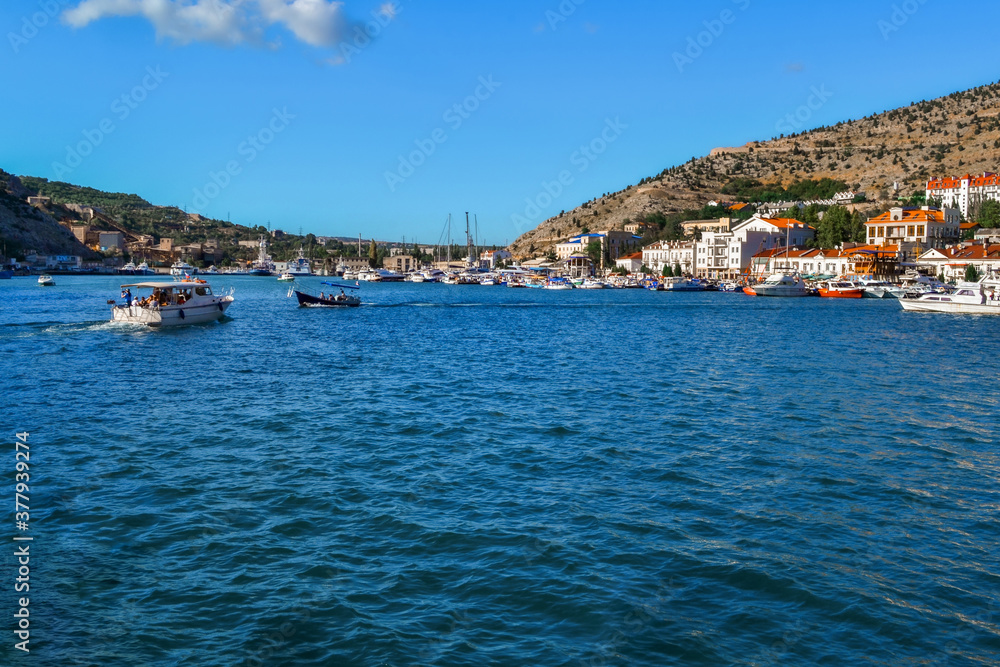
{"type": "Point", "coordinates": [577, 266]}
{"type": "Point", "coordinates": [851, 259]}
{"type": "Point", "coordinates": [953, 261]}
{"type": "Point", "coordinates": [915, 230]}
{"type": "Point", "coordinates": [491, 258]}
{"type": "Point", "coordinates": [725, 255]}
{"type": "Point", "coordinates": [669, 253]}
{"type": "Point", "coordinates": [631, 263]}
{"type": "Point", "coordinates": [965, 193]}
{"type": "Point", "coordinates": [401, 264]}
{"type": "Point", "coordinates": [111, 241]}
{"type": "Point", "coordinates": [614, 244]}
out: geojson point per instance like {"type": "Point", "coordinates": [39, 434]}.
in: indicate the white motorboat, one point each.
{"type": "Point", "coordinates": [380, 276]}
{"type": "Point", "coordinates": [415, 278]}
{"type": "Point", "coordinates": [182, 269]}
{"type": "Point", "coordinates": [45, 280]}
{"type": "Point", "coordinates": [128, 270]}
{"type": "Point", "coordinates": [143, 269]}
{"type": "Point", "coordinates": [981, 298]}
{"type": "Point", "coordinates": [210, 271]}
{"type": "Point", "coordinates": [286, 277]}
{"type": "Point", "coordinates": [171, 304]}
{"type": "Point", "coordinates": [779, 285]}
{"type": "Point", "coordinates": [592, 284]}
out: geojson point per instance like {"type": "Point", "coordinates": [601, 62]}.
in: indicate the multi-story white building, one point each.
{"type": "Point", "coordinates": [669, 253]}
{"type": "Point", "coordinates": [915, 229]}
{"type": "Point", "coordinates": [613, 244]}
{"type": "Point", "coordinates": [966, 193]}
{"type": "Point", "coordinates": [490, 258]}
{"type": "Point", "coordinates": [725, 255]}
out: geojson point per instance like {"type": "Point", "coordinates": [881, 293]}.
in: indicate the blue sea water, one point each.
{"type": "Point", "coordinates": [485, 476]}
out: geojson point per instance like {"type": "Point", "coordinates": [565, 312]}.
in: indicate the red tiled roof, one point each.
{"type": "Point", "coordinates": [909, 215]}
{"type": "Point", "coordinates": [948, 183]}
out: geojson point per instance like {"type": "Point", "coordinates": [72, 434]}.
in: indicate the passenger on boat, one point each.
{"type": "Point", "coordinates": [127, 295]}
{"type": "Point", "coordinates": [322, 296]}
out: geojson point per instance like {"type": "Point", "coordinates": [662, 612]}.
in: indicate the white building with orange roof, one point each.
{"type": "Point", "coordinates": [915, 229]}
{"type": "Point", "coordinates": [725, 255]}
{"type": "Point", "coordinates": [965, 193]}
{"type": "Point", "coordinates": [952, 262]}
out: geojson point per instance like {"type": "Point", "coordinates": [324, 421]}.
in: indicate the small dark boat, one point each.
{"type": "Point", "coordinates": [333, 300]}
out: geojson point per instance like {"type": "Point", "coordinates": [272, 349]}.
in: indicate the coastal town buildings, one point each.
{"type": "Point", "coordinates": [965, 193]}
{"type": "Point", "coordinates": [851, 259]}
{"type": "Point", "coordinates": [669, 253]}
{"type": "Point", "coordinates": [491, 258]}
{"type": "Point", "coordinates": [631, 263]}
{"type": "Point", "coordinates": [952, 262]}
{"type": "Point", "coordinates": [614, 244]}
{"type": "Point", "coordinates": [725, 255]}
{"type": "Point", "coordinates": [915, 229]}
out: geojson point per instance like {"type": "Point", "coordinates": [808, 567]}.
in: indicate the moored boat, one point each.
{"type": "Point", "coordinates": [981, 298]}
{"type": "Point", "coordinates": [779, 285]}
{"type": "Point", "coordinates": [840, 289]}
{"type": "Point", "coordinates": [286, 277]}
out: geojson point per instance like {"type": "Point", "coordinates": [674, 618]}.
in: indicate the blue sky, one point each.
{"type": "Point", "coordinates": [288, 112]}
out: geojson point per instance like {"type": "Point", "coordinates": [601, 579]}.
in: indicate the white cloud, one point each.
{"type": "Point", "coordinates": [315, 22]}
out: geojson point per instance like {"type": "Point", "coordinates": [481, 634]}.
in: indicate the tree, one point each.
{"type": "Point", "coordinates": [373, 254]}
{"type": "Point", "coordinates": [677, 270]}
{"type": "Point", "coordinates": [989, 214]}
{"type": "Point", "coordinates": [834, 228]}
{"type": "Point", "coordinates": [971, 274]}
{"type": "Point", "coordinates": [667, 271]}
{"type": "Point", "coordinates": [595, 251]}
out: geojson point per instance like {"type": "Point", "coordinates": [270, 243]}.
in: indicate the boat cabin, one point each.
{"type": "Point", "coordinates": [169, 294]}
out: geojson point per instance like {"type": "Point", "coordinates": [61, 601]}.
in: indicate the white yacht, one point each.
{"type": "Point", "coordinates": [286, 277]}
{"type": "Point", "coordinates": [182, 269]}
{"type": "Point", "coordinates": [590, 283]}
{"type": "Point", "coordinates": [300, 265]}
{"type": "Point", "coordinates": [779, 284]}
{"type": "Point", "coordinates": [45, 280]}
{"type": "Point", "coordinates": [982, 298]}
{"type": "Point", "coordinates": [171, 304]}
{"type": "Point", "coordinates": [143, 269]}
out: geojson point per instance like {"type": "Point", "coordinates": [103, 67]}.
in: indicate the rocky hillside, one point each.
{"type": "Point", "coordinates": [952, 135]}
{"type": "Point", "coordinates": [23, 227]}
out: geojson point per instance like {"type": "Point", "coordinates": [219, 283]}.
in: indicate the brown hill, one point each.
{"type": "Point", "coordinates": [952, 135]}
{"type": "Point", "coordinates": [24, 227]}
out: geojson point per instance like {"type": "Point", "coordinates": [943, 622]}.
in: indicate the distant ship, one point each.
{"type": "Point", "coordinates": [263, 266]}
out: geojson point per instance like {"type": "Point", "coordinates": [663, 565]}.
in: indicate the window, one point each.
{"type": "Point", "coordinates": [910, 230]}
{"type": "Point", "coordinates": [920, 230]}
{"type": "Point", "coordinates": [871, 232]}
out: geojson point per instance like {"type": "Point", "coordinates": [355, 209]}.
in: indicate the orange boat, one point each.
{"type": "Point", "coordinates": [841, 290]}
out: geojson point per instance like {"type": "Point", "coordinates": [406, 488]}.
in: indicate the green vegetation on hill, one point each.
{"type": "Point", "coordinates": [751, 190]}
{"type": "Point", "coordinates": [66, 193]}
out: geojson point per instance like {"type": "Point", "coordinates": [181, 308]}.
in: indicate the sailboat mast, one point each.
{"type": "Point", "coordinates": [468, 239]}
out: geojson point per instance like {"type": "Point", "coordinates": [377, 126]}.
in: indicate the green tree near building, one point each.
{"type": "Point", "coordinates": [972, 274]}
{"type": "Point", "coordinates": [668, 271]}
{"type": "Point", "coordinates": [373, 254]}
{"type": "Point", "coordinates": [595, 251]}
{"type": "Point", "coordinates": [678, 272]}
{"type": "Point", "coordinates": [989, 214]}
